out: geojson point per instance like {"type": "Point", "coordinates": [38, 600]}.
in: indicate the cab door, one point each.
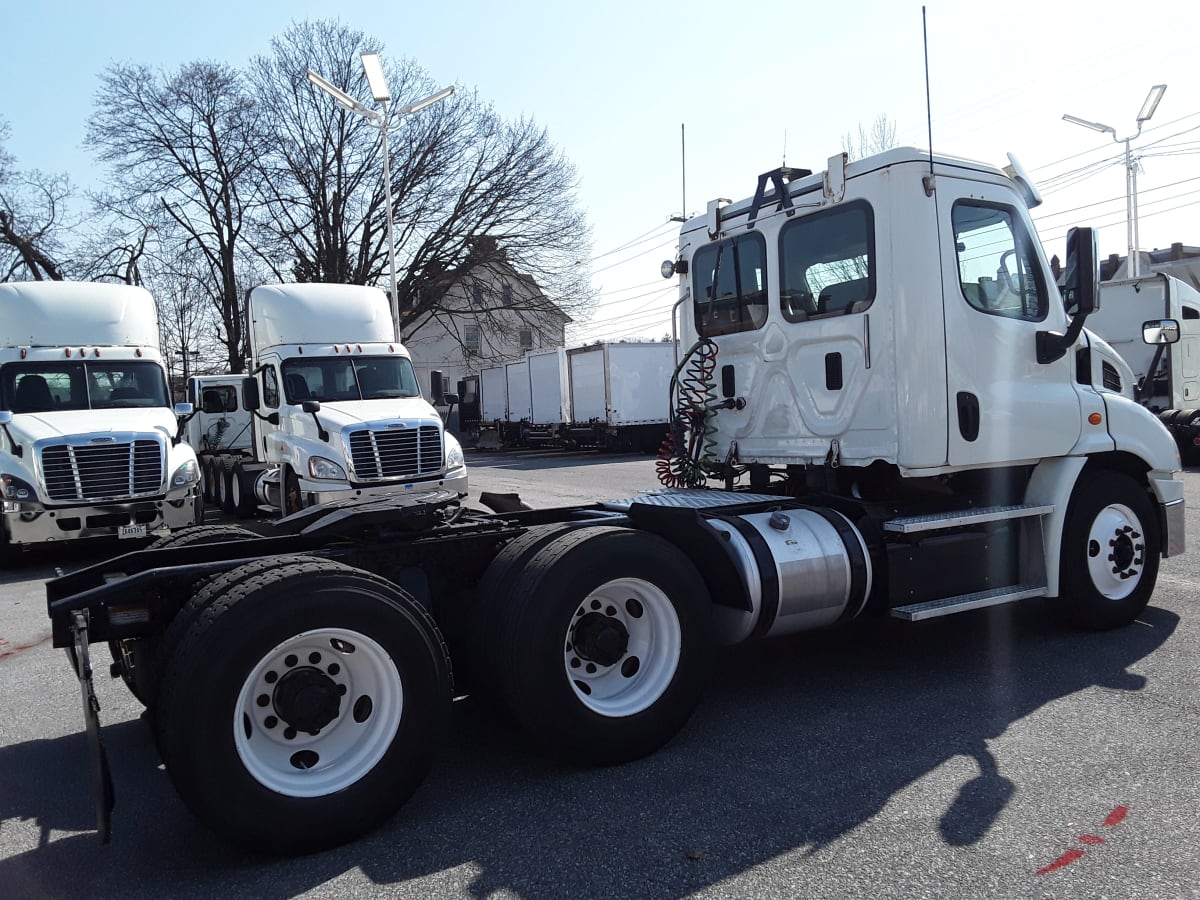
{"type": "Point", "coordinates": [1003, 406]}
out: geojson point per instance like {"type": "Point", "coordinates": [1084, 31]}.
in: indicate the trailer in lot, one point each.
{"type": "Point", "coordinates": [620, 394]}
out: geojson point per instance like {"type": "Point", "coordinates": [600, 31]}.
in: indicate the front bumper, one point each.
{"type": "Point", "coordinates": [317, 492]}
{"type": "Point", "coordinates": [32, 523]}
{"type": "Point", "coordinates": [1169, 492]}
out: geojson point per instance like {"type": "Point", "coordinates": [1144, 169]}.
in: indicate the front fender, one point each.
{"type": "Point", "coordinates": [1136, 430]}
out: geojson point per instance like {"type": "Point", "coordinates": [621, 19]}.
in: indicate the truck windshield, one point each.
{"type": "Point", "coordinates": [330, 378]}
{"type": "Point", "coordinates": [32, 387]}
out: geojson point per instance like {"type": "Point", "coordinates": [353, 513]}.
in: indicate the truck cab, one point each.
{"type": "Point", "coordinates": [339, 411]}
{"type": "Point", "coordinates": [88, 445]}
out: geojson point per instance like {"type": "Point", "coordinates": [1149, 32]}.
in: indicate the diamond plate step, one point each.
{"type": "Point", "coordinates": [931, 609]}
{"type": "Point", "coordinates": [910, 524]}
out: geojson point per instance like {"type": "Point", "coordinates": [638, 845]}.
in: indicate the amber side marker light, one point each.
{"type": "Point", "coordinates": [1095, 418]}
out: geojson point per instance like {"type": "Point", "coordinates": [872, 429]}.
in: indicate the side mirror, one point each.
{"type": "Point", "coordinates": [1160, 331]}
{"type": "Point", "coordinates": [250, 398]}
{"type": "Point", "coordinates": [5, 417]}
{"type": "Point", "coordinates": [311, 406]}
{"type": "Point", "coordinates": [184, 409]}
{"type": "Point", "coordinates": [437, 387]}
{"type": "Point", "coordinates": [1081, 275]}
{"type": "Point", "coordinates": [450, 399]}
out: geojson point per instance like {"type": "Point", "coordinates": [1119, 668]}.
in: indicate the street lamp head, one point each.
{"type": "Point", "coordinates": [428, 101]}
{"type": "Point", "coordinates": [373, 66]}
{"type": "Point", "coordinates": [1151, 104]}
{"type": "Point", "coordinates": [343, 99]}
{"type": "Point", "coordinates": [1095, 126]}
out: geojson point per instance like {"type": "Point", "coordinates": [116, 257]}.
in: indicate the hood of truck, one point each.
{"type": "Point", "coordinates": [337, 414]}
{"type": "Point", "coordinates": [27, 428]}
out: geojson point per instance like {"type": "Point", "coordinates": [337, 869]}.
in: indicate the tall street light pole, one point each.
{"type": "Point", "coordinates": [1131, 224]}
{"type": "Point", "coordinates": [373, 67]}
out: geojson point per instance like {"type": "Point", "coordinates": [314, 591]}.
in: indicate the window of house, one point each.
{"type": "Point", "coordinates": [827, 263]}
{"type": "Point", "coordinates": [525, 338]}
{"type": "Point", "coordinates": [506, 295]}
{"type": "Point", "coordinates": [477, 296]}
{"type": "Point", "coordinates": [730, 285]}
{"type": "Point", "coordinates": [998, 269]}
{"type": "Point", "coordinates": [472, 338]}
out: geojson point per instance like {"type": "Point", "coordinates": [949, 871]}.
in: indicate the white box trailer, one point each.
{"type": "Point", "coordinates": [549, 395]}
{"type": "Point", "coordinates": [516, 375]}
{"type": "Point", "coordinates": [620, 394]}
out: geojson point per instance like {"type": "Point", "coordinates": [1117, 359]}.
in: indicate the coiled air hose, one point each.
{"type": "Point", "coordinates": [689, 442]}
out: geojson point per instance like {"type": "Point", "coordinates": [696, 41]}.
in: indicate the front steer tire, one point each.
{"type": "Point", "coordinates": [304, 707]}
{"type": "Point", "coordinates": [1111, 548]}
{"type": "Point", "coordinates": [606, 644]}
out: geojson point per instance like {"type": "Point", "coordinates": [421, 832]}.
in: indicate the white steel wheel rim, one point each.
{"type": "Point", "coordinates": [235, 490]}
{"type": "Point", "coordinates": [634, 682]}
{"type": "Point", "coordinates": [300, 764]}
{"type": "Point", "coordinates": [1116, 551]}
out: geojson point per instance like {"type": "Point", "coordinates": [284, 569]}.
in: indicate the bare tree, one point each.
{"type": "Point", "coordinates": [32, 220]}
{"type": "Point", "coordinates": [184, 150]}
{"type": "Point", "coordinates": [474, 195]}
{"type": "Point", "coordinates": [881, 136]}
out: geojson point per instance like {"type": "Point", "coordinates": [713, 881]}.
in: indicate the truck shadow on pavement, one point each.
{"type": "Point", "coordinates": [798, 741]}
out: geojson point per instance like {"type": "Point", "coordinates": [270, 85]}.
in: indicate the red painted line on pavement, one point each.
{"type": "Point", "coordinates": [1117, 816]}
{"type": "Point", "coordinates": [1090, 839]}
{"type": "Point", "coordinates": [1066, 859]}
{"type": "Point", "coordinates": [19, 648]}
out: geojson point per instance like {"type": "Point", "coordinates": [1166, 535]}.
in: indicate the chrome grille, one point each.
{"type": "Point", "coordinates": [388, 453]}
{"type": "Point", "coordinates": [102, 471]}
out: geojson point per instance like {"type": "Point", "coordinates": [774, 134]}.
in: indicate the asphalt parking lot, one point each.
{"type": "Point", "coordinates": [990, 754]}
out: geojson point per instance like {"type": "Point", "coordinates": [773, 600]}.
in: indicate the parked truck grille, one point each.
{"type": "Point", "coordinates": [102, 471]}
{"type": "Point", "coordinates": [389, 453]}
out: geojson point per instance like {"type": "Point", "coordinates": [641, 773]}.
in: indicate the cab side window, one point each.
{"type": "Point", "coordinates": [730, 285]}
{"type": "Point", "coordinates": [998, 269]}
{"type": "Point", "coordinates": [270, 388]}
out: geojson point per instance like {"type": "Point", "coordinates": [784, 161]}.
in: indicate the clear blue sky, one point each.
{"type": "Point", "coordinates": [614, 81]}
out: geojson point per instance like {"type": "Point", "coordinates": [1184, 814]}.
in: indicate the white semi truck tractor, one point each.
{"type": "Point", "coordinates": [88, 442]}
{"type": "Point", "coordinates": [333, 407]}
{"type": "Point", "coordinates": [885, 406]}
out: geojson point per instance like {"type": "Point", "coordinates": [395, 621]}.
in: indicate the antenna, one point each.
{"type": "Point", "coordinates": [682, 217]}
{"type": "Point", "coordinates": [928, 180]}
{"type": "Point", "coordinates": [784, 148]}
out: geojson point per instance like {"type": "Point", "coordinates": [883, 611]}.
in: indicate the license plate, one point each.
{"type": "Point", "coordinates": [131, 531]}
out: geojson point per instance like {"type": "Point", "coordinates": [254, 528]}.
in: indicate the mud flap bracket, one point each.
{"type": "Point", "coordinates": [105, 796]}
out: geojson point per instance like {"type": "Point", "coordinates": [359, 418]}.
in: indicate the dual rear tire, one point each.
{"type": "Point", "coordinates": [302, 704]}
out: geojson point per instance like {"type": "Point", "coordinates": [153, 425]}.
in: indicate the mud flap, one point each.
{"type": "Point", "coordinates": [105, 796]}
{"type": "Point", "coordinates": [489, 439]}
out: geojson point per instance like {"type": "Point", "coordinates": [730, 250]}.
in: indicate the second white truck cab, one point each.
{"type": "Point", "coordinates": [338, 408]}
{"type": "Point", "coordinates": [87, 429]}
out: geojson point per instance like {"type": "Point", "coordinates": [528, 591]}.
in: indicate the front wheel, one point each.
{"type": "Point", "coordinates": [322, 717]}
{"type": "Point", "coordinates": [606, 645]}
{"type": "Point", "coordinates": [1110, 552]}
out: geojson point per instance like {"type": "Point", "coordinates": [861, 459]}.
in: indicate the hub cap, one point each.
{"type": "Point", "coordinates": [1116, 551]}
{"type": "Point", "coordinates": [622, 647]}
{"type": "Point", "coordinates": [318, 712]}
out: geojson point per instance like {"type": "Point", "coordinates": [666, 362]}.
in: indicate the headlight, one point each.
{"type": "Point", "coordinates": [325, 469]}
{"type": "Point", "coordinates": [454, 452]}
{"type": "Point", "coordinates": [17, 489]}
{"type": "Point", "coordinates": [188, 473]}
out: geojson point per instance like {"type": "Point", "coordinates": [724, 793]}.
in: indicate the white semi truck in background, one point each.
{"type": "Point", "coordinates": [1167, 375]}
{"type": "Point", "coordinates": [886, 407]}
{"type": "Point", "coordinates": [333, 406]}
{"type": "Point", "coordinates": [87, 429]}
